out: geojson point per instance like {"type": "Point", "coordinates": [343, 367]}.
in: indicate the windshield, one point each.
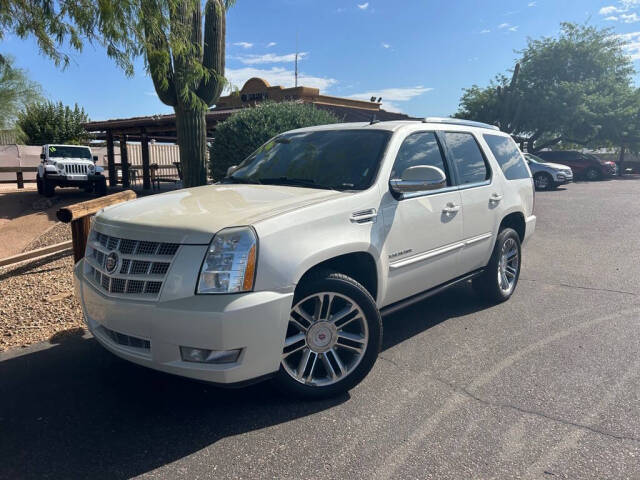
{"type": "Point", "coordinates": [74, 152]}
{"type": "Point", "coordinates": [332, 159]}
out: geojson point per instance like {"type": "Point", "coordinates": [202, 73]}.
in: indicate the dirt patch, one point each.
{"type": "Point", "coordinates": [38, 302]}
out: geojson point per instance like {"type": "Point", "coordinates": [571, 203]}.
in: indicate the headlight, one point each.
{"type": "Point", "coordinates": [91, 167]}
{"type": "Point", "coordinates": [230, 263]}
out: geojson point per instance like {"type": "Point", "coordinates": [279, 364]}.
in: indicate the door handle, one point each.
{"type": "Point", "coordinates": [450, 208]}
{"type": "Point", "coordinates": [496, 197]}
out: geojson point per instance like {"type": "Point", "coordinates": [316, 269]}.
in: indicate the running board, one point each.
{"type": "Point", "coordinates": [394, 307]}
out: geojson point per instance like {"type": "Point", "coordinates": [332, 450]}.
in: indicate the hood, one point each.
{"type": "Point", "coordinates": [556, 166]}
{"type": "Point", "coordinates": [193, 215]}
{"type": "Point", "coordinates": [70, 160]}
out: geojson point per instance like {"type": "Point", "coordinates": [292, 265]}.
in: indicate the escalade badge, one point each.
{"type": "Point", "coordinates": [111, 262]}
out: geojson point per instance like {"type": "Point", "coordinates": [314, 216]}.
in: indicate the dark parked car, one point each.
{"type": "Point", "coordinates": [584, 165]}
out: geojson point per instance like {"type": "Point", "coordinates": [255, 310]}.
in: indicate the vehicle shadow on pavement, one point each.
{"type": "Point", "coordinates": [75, 410]}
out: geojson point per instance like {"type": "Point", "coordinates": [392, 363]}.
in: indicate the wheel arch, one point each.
{"type": "Point", "coordinates": [358, 264]}
{"type": "Point", "coordinates": [516, 221]}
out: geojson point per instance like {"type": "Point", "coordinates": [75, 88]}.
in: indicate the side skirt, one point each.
{"type": "Point", "coordinates": [394, 307]}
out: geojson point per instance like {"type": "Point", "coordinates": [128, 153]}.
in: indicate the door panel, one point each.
{"type": "Point", "coordinates": [480, 209]}
{"type": "Point", "coordinates": [423, 243]}
{"type": "Point", "coordinates": [423, 229]}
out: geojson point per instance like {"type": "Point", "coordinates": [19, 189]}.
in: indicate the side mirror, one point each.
{"type": "Point", "coordinates": [231, 169]}
{"type": "Point", "coordinates": [42, 156]}
{"type": "Point", "coordinates": [95, 158]}
{"type": "Point", "coordinates": [419, 179]}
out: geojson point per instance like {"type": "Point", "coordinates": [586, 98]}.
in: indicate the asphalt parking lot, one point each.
{"type": "Point", "coordinates": [546, 385]}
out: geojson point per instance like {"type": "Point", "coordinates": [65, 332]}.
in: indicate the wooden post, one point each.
{"type": "Point", "coordinates": [124, 160]}
{"type": "Point", "coordinates": [20, 179]}
{"type": "Point", "coordinates": [79, 235]}
{"type": "Point", "coordinates": [79, 215]}
{"type": "Point", "coordinates": [111, 162]}
{"type": "Point", "coordinates": [146, 170]}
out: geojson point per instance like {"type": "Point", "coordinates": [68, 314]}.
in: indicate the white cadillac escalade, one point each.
{"type": "Point", "coordinates": [285, 267]}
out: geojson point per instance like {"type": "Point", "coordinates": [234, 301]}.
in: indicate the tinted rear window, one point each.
{"type": "Point", "coordinates": [508, 156]}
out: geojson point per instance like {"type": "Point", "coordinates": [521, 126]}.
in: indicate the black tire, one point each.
{"type": "Point", "coordinates": [543, 181]}
{"type": "Point", "coordinates": [487, 285]}
{"type": "Point", "coordinates": [48, 188]}
{"type": "Point", "coordinates": [592, 174]}
{"type": "Point", "coordinates": [39, 185]}
{"type": "Point", "coordinates": [100, 186]}
{"type": "Point", "coordinates": [345, 286]}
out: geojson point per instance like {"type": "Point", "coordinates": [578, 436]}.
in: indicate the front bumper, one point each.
{"type": "Point", "coordinates": [255, 322]}
{"type": "Point", "coordinates": [562, 178]}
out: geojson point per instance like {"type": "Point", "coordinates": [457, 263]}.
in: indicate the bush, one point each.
{"type": "Point", "coordinates": [50, 122]}
{"type": "Point", "coordinates": [242, 133]}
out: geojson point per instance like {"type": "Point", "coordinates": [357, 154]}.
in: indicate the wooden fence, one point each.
{"type": "Point", "coordinates": [19, 171]}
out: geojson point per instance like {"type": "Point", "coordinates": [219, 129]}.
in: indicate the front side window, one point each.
{"type": "Point", "coordinates": [419, 148]}
{"type": "Point", "coordinates": [509, 158]}
{"type": "Point", "coordinates": [330, 159]}
{"type": "Point", "coordinates": [467, 157]}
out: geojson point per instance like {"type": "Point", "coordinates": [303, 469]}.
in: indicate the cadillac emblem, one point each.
{"type": "Point", "coordinates": [111, 262]}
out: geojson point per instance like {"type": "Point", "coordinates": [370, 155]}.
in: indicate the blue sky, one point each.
{"type": "Point", "coordinates": [417, 55]}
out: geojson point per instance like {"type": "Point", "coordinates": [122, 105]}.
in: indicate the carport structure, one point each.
{"type": "Point", "coordinates": [161, 128]}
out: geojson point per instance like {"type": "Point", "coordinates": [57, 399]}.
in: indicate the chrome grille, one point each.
{"type": "Point", "coordinates": [76, 169]}
{"type": "Point", "coordinates": [141, 269]}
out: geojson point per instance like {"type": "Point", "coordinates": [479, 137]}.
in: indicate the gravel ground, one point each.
{"type": "Point", "coordinates": [60, 232]}
{"type": "Point", "coordinates": [37, 299]}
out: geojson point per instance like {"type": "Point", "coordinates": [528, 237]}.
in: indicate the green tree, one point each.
{"type": "Point", "coordinates": [50, 122]}
{"type": "Point", "coordinates": [561, 91]}
{"type": "Point", "coordinates": [184, 57]}
{"type": "Point", "coordinates": [242, 133]}
{"type": "Point", "coordinates": [16, 92]}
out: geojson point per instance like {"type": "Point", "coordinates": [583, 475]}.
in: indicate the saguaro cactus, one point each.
{"type": "Point", "coordinates": [187, 69]}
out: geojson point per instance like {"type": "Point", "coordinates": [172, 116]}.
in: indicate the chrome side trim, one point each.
{"type": "Point", "coordinates": [479, 238]}
{"type": "Point", "coordinates": [426, 255]}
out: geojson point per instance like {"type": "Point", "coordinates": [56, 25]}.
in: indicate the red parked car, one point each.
{"type": "Point", "coordinates": [584, 165]}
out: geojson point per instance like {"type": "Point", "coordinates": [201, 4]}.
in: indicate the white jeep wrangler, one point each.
{"type": "Point", "coordinates": [69, 166]}
{"type": "Point", "coordinates": [285, 268]}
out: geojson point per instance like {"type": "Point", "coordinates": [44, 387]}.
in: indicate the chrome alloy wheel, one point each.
{"type": "Point", "coordinates": [508, 266]}
{"type": "Point", "coordinates": [326, 339]}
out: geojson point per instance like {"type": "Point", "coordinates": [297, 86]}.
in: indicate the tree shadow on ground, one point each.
{"type": "Point", "coordinates": [75, 410]}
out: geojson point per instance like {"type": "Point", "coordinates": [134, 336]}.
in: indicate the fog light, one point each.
{"type": "Point", "coordinates": [202, 355]}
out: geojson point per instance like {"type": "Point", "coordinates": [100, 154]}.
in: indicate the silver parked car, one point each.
{"type": "Point", "coordinates": [548, 175]}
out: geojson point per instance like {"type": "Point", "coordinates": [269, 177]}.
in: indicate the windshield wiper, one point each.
{"type": "Point", "coordinates": [296, 182]}
{"type": "Point", "coordinates": [240, 180]}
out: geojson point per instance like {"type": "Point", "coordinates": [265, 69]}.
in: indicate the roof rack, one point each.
{"type": "Point", "coordinates": [459, 121]}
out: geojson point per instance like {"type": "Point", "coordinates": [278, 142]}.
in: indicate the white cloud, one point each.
{"type": "Point", "coordinates": [630, 18]}
{"type": "Point", "coordinates": [386, 45]}
{"type": "Point", "coordinates": [277, 76]}
{"type": "Point", "coordinates": [486, 30]}
{"type": "Point", "coordinates": [608, 10]}
{"type": "Point", "coordinates": [271, 44]}
{"type": "Point", "coordinates": [151, 94]}
{"type": "Point", "coordinates": [532, 4]}
{"type": "Point", "coordinates": [632, 44]}
{"type": "Point", "coordinates": [270, 58]}
{"type": "Point", "coordinates": [391, 107]}
{"type": "Point", "coordinates": [513, 29]}
{"type": "Point", "coordinates": [504, 25]}
{"type": "Point", "coordinates": [363, 6]}
{"type": "Point", "coordinates": [393, 94]}
{"type": "Point", "coordinates": [622, 12]}
{"type": "Point", "coordinates": [243, 44]}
